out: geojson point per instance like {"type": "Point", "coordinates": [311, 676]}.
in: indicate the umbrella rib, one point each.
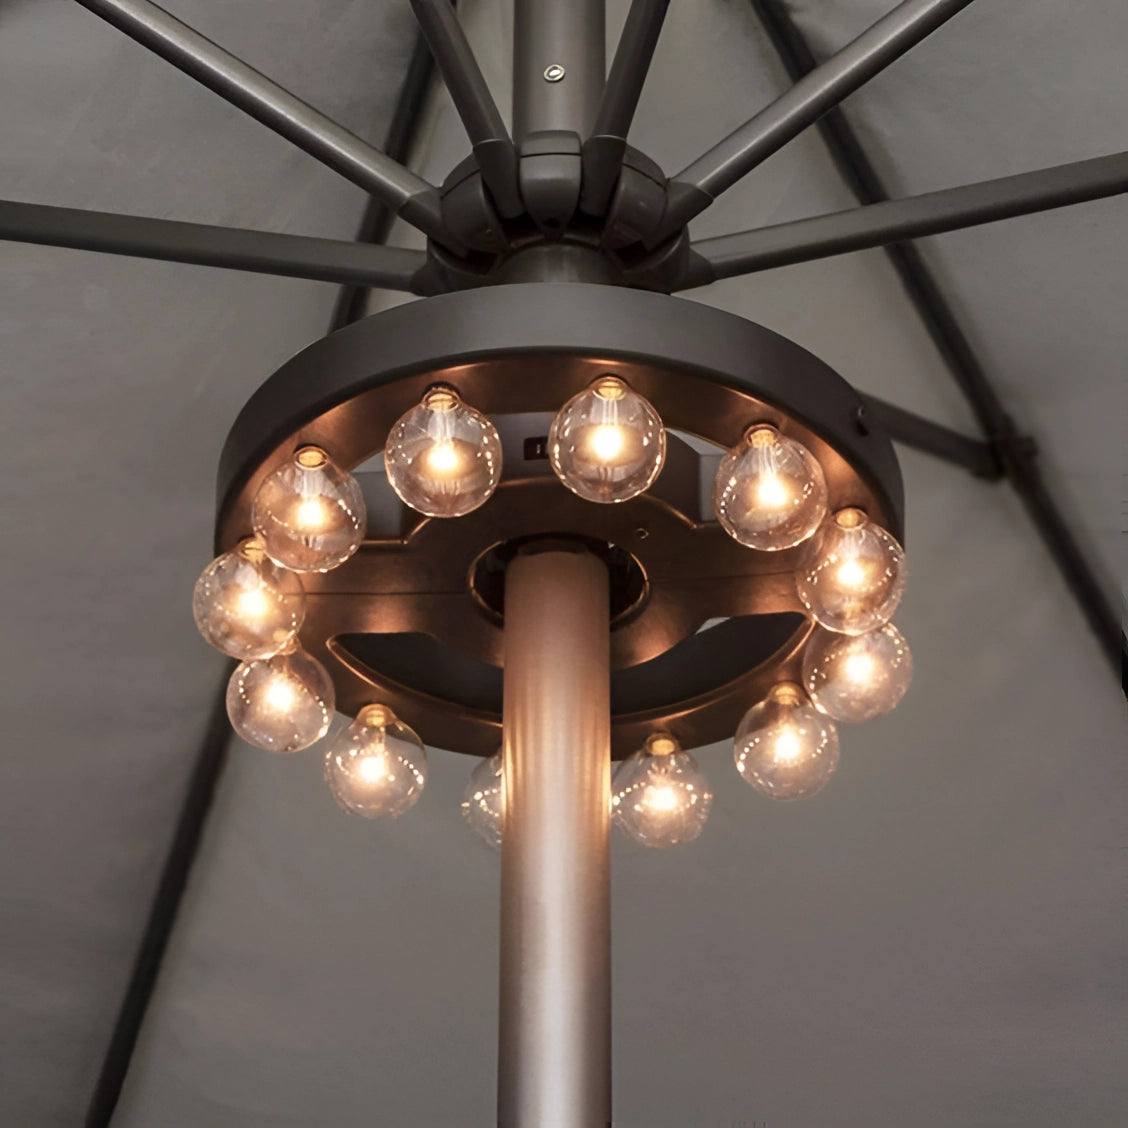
{"type": "Point", "coordinates": [233, 248]}
{"type": "Point", "coordinates": [161, 920]}
{"type": "Point", "coordinates": [413, 198]}
{"type": "Point", "coordinates": [604, 149]}
{"type": "Point", "coordinates": [694, 188]}
{"type": "Point", "coordinates": [475, 105]}
{"type": "Point", "coordinates": [912, 430]}
{"type": "Point", "coordinates": [376, 222]}
{"type": "Point", "coordinates": [893, 221]}
{"type": "Point", "coordinates": [629, 67]}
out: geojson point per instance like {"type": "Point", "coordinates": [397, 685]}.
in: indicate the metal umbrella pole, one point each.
{"type": "Point", "coordinates": [554, 1043]}
{"type": "Point", "coordinates": [554, 1030]}
{"type": "Point", "coordinates": [558, 65]}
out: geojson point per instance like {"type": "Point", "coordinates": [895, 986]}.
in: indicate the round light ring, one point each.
{"type": "Point", "coordinates": [514, 351]}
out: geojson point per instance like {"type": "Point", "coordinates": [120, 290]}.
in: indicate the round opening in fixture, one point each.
{"type": "Point", "coordinates": [628, 585]}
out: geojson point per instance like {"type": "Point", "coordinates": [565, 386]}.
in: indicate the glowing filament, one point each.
{"type": "Point", "coordinates": [252, 604]}
{"type": "Point", "coordinates": [663, 798]}
{"type": "Point", "coordinates": [374, 768]}
{"type": "Point", "coordinates": [280, 695]}
{"type": "Point", "coordinates": [787, 746]}
{"type": "Point", "coordinates": [860, 668]}
{"type": "Point", "coordinates": [772, 493]}
{"type": "Point", "coordinates": [312, 515]}
{"type": "Point", "coordinates": [851, 574]}
{"type": "Point", "coordinates": [607, 442]}
{"type": "Point", "coordinates": [443, 459]}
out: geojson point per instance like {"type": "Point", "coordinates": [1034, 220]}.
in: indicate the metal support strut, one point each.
{"type": "Point", "coordinates": [893, 221]}
{"type": "Point", "coordinates": [413, 199]}
{"type": "Point", "coordinates": [696, 186]}
{"type": "Point", "coordinates": [554, 1041]}
{"type": "Point", "coordinates": [234, 248]}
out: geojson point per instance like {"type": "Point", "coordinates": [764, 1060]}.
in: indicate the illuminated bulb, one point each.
{"type": "Point", "coordinates": [770, 492]}
{"type": "Point", "coordinates": [377, 766]}
{"type": "Point", "coordinates": [785, 748]}
{"type": "Point", "coordinates": [245, 605]}
{"type": "Point", "coordinates": [283, 703]}
{"type": "Point", "coordinates": [443, 458]}
{"type": "Point", "coordinates": [857, 677]}
{"type": "Point", "coordinates": [607, 444]}
{"type": "Point", "coordinates": [309, 514]}
{"type": "Point", "coordinates": [483, 801]}
{"type": "Point", "coordinates": [853, 575]}
{"type": "Point", "coordinates": [658, 796]}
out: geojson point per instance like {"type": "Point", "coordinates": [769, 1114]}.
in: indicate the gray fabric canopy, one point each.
{"type": "Point", "coordinates": [938, 938]}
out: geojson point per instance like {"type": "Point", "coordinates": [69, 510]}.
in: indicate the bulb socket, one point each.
{"type": "Point", "coordinates": [251, 549]}
{"type": "Point", "coordinates": [441, 397]}
{"type": "Point", "coordinates": [850, 518]}
{"type": "Point", "coordinates": [761, 435]}
{"type": "Point", "coordinates": [376, 716]}
{"type": "Point", "coordinates": [609, 388]}
{"type": "Point", "coordinates": [311, 457]}
{"type": "Point", "coordinates": [661, 744]}
{"type": "Point", "coordinates": [787, 693]}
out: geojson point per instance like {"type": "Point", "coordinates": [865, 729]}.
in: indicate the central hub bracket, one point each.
{"type": "Point", "coordinates": [579, 229]}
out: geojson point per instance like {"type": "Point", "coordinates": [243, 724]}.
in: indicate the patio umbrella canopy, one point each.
{"type": "Point", "coordinates": [937, 938]}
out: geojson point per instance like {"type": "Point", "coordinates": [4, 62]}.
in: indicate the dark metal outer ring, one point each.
{"type": "Point", "coordinates": [527, 349]}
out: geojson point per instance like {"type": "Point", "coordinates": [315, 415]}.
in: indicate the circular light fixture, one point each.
{"type": "Point", "coordinates": [410, 617]}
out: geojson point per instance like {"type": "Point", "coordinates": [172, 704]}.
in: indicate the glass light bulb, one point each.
{"type": "Point", "coordinates": [770, 492]}
{"type": "Point", "coordinates": [309, 514]}
{"type": "Point", "coordinates": [245, 605]}
{"type": "Point", "coordinates": [483, 801]}
{"type": "Point", "coordinates": [658, 795]}
{"type": "Point", "coordinates": [785, 748]}
{"type": "Point", "coordinates": [607, 444]}
{"type": "Point", "coordinates": [853, 575]}
{"type": "Point", "coordinates": [377, 766]}
{"type": "Point", "coordinates": [443, 458]}
{"type": "Point", "coordinates": [857, 677]}
{"type": "Point", "coordinates": [283, 703]}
